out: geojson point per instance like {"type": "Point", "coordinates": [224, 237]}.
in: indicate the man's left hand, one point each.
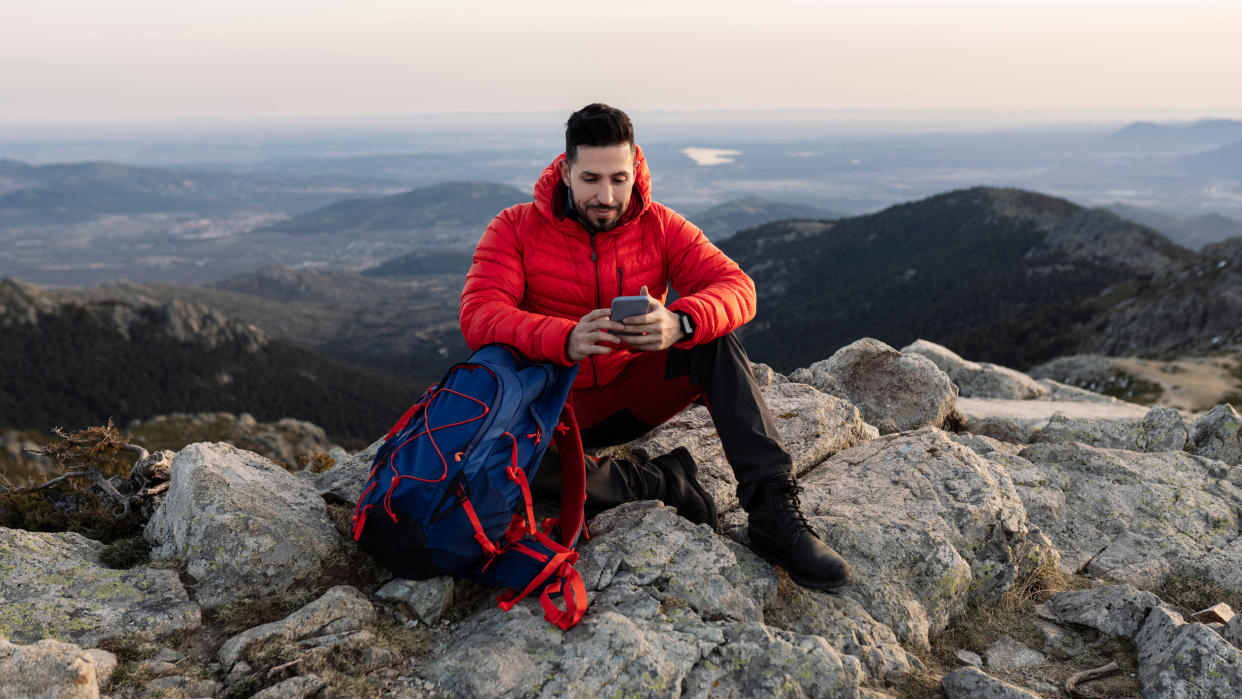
{"type": "Point", "coordinates": [660, 327]}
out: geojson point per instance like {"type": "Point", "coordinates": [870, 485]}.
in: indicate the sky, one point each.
{"type": "Point", "coordinates": [75, 61]}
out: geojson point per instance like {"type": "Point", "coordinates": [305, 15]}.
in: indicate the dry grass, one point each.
{"type": "Point", "coordinates": [1014, 615]}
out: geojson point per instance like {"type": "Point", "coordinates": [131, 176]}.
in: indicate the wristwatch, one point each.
{"type": "Point", "coordinates": [687, 324]}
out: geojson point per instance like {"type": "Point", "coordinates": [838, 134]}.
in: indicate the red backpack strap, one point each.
{"type": "Point", "coordinates": [569, 583]}
{"type": "Point", "coordinates": [573, 477]}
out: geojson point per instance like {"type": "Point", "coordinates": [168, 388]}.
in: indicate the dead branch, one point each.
{"type": "Point", "coordinates": [156, 489]}
{"type": "Point", "coordinates": [54, 481]}
{"type": "Point", "coordinates": [274, 672]}
{"type": "Point", "coordinates": [1071, 685]}
{"type": "Point", "coordinates": [135, 449]}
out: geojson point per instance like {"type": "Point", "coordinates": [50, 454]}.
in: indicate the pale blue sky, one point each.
{"type": "Point", "coordinates": [78, 60]}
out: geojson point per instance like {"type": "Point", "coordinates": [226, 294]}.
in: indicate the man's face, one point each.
{"type": "Point", "coordinates": [601, 180]}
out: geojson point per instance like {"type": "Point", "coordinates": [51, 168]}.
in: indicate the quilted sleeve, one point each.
{"type": "Point", "coordinates": [717, 294]}
{"type": "Point", "coordinates": [493, 293]}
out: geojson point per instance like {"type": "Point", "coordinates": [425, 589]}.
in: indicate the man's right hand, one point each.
{"type": "Point", "coordinates": [592, 329]}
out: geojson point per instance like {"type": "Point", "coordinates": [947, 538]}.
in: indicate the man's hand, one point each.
{"type": "Point", "coordinates": [660, 327]}
{"type": "Point", "coordinates": [589, 332]}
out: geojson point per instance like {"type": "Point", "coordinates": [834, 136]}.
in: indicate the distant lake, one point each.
{"type": "Point", "coordinates": [710, 156]}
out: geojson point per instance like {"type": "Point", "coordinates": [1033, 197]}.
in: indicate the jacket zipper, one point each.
{"type": "Point", "coordinates": [620, 281]}
{"type": "Point", "coordinates": [599, 303]}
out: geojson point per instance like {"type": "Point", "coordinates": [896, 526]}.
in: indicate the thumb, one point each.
{"type": "Point", "coordinates": [643, 291]}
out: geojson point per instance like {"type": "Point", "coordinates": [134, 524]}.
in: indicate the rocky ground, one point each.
{"type": "Point", "coordinates": [1007, 535]}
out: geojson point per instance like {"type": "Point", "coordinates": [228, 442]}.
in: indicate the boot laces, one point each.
{"type": "Point", "coordinates": [791, 507]}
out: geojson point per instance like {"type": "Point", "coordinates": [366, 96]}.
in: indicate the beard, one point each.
{"type": "Point", "coordinates": [586, 214]}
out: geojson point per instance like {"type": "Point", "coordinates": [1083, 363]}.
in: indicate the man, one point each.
{"type": "Point", "coordinates": [544, 275]}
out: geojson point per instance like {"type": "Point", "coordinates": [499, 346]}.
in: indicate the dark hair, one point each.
{"type": "Point", "coordinates": [597, 125]}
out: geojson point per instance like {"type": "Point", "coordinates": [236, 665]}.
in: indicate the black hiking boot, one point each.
{"type": "Point", "coordinates": [680, 488]}
{"type": "Point", "coordinates": [780, 533]}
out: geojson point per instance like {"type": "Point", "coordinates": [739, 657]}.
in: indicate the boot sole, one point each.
{"type": "Point", "coordinates": [812, 583]}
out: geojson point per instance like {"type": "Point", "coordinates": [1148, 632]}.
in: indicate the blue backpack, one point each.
{"type": "Point", "coordinates": [449, 491]}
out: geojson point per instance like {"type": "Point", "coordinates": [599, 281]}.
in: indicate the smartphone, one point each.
{"type": "Point", "coordinates": [625, 306]}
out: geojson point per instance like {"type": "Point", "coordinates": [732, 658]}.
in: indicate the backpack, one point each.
{"type": "Point", "coordinates": [449, 494]}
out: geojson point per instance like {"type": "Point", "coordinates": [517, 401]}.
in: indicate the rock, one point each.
{"type": "Point", "coordinates": [756, 661]}
{"type": "Point", "coordinates": [343, 482]}
{"type": "Point", "coordinates": [54, 586]}
{"type": "Point", "coordinates": [287, 441]}
{"type": "Point", "coordinates": [425, 599]}
{"type": "Point", "coordinates": [1177, 659]}
{"type": "Point", "coordinates": [1233, 631]}
{"type": "Point", "coordinates": [181, 687]}
{"type": "Point", "coordinates": [1162, 429]}
{"type": "Point", "coordinates": [906, 390]}
{"type": "Point", "coordinates": [846, 626]}
{"type": "Point", "coordinates": [242, 526]}
{"type": "Point", "coordinates": [1006, 652]}
{"type": "Point", "coordinates": [47, 670]}
{"type": "Point", "coordinates": [300, 687]}
{"type": "Point", "coordinates": [978, 379]}
{"type": "Point", "coordinates": [969, 658]}
{"type": "Point", "coordinates": [341, 609]}
{"type": "Point", "coordinates": [1058, 391]}
{"type": "Point", "coordinates": [973, 683]}
{"type": "Point", "coordinates": [813, 426]}
{"type": "Point", "coordinates": [1017, 420]}
{"type": "Point", "coordinates": [1217, 614]}
{"type": "Point", "coordinates": [927, 525]}
{"type": "Point", "coordinates": [1059, 642]}
{"type": "Point", "coordinates": [1117, 610]}
{"type": "Point", "coordinates": [673, 607]}
{"type": "Point", "coordinates": [105, 664]}
{"type": "Point", "coordinates": [1218, 435]}
{"type": "Point", "coordinates": [1133, 517]}
{"type": "Point", "coordinates": [766, 375]}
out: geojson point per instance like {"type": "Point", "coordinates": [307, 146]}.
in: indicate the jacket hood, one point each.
{"type": "Point", "coordinates": [550, 190]}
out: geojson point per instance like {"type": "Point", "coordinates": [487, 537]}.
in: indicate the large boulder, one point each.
{"type": "Point", "coordinates": [343, 482]}
{"type": "Point", "coordinates": [1179, 659]}
{"type": "Point", "coordinates": [242, 526]}
{"type": "Point", "coordinates": [973, 683]}
{"type": "Point", "coordinates": [1020, 420]}
{"type": "Point", "coordinates": [54, 586]}
{"type": "Point", "coordinates": [978, 379]}
{"type": "Point", "coordinates": [1161, 429]}
{"type": "Point", "coordinates": [1064, 392]}
{"type": "Point", "coordinates": [674, 609]}
{"type": "Point", "coordinates": [49, 670]}
{"type": "Point", "coordinates": [927, 525]}
{"type": "Point", "coordinates": [1134, 517]}
{"type": "Point", "coordinates": [812, 425]}
{"type": "Point", "coordinates": [1218, 435]}
{"type": "Point", "coordinates": [894, 391]}
{"type": "Point", "coordinates": [1117, 610]}
{"type": "Point", "coordinates": [340, 610]}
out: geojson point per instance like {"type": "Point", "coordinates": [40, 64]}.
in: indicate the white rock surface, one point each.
{"type": "Point", "coordinates": [53, 586]}
{"type": "Point", "coordinates": [241, 525]}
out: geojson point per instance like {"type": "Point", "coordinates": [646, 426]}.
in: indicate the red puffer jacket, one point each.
{"type": "Point", "coordinates": [536, 273]}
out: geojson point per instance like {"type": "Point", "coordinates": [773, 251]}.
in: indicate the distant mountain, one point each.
{"type": "Point", "coordinates": [408, 326]}
{"type": "Point", "coordinates": [725, 219]}
{"type": "Point", "coordinates": [454, 205]}
{"type": "Point", "coordinates": [1225, 161]}
{"type": "Point", "coordinates": [420, 263]}
{"type": "Point", "coordinates": [1205, 133]}
{"type": "Point", "coordinates": [1188, 231]}
{"type": "Point", "coordinates": [73, 364]}
{"type": "Point", "coordinates": [998, 274]}
{"type": "Point", "coordinates": [76, 192]}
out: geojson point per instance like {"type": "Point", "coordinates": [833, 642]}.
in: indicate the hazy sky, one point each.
{"type": "Point", "coordinates": [75, 60]}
